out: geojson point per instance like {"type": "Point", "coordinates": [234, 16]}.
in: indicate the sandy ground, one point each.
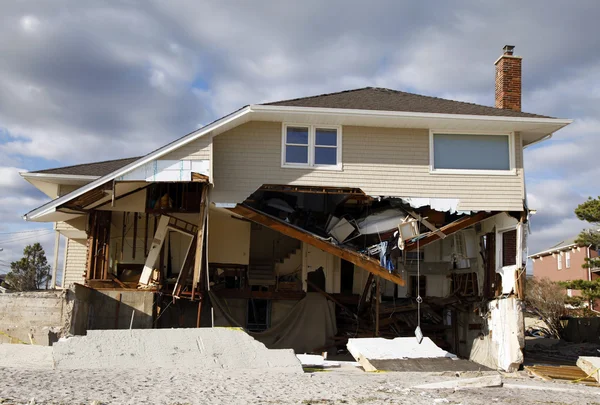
{"type": "Point", "coordinates": [342, 386]}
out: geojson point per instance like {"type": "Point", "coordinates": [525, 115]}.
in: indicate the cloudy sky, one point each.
{"type": "Point", "coordinates": [85, 80]}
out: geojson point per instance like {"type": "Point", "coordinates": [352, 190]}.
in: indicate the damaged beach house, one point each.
{"type": "Point", "coordinates": [311, 221]}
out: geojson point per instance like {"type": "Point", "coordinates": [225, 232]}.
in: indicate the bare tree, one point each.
{"type": "Point", "coordinates": [547, 299]}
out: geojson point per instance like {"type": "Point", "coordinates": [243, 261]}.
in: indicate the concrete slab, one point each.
{"type": "Point", "coordinates": [205, 348]}
{"type": "Point", "coordinates": [26, 356]}
{"type": "Point", "coordinates": [405, 354]}
{"type": "Point", "coordinates": [487, 381]}
{"type": "Point", "coordinates": [590, 365]}
{"type": "Point", "coordinates": [316, 361]}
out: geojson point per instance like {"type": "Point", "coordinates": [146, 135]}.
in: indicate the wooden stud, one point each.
{"type": "Point", "coordinates": [377, 292]}
{"type": "Point", "coordinates": [200, 239]}
{"type": "Point", "coordinates": [146, 235]}
{"type": "Point", "coordinates": [118, 307]}
{"type": "Point", "coordinates": [123, 234]}
{"type": "Point", "coordinates": [451, 228]}
{"type": "Point", "coordinates": [135, 225]}
{"type": "Point", "coordinates": [365, 262]}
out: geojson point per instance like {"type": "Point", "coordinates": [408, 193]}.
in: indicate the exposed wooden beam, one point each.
{"type": "Point", "coordinates": [449, 229]}
{"type": "Point", "coordinates": [200, 239]}
{"type": "Point", "coordinates": [311, 189]}
{"type": "Point", "coordinates": [362, 261]}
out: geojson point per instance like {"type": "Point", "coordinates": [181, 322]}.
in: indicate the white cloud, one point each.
{"type": "Point", "coordinates": [29, 23]}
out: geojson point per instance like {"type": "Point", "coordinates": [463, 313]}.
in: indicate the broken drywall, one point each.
{"type": "Point", "coordinates": [502, 347]}
{"type": "Point", "coordinates": [590, 365]}
{"type": "Point", "coordinates": [207, 348]}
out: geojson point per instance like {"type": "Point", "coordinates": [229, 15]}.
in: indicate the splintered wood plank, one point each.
{"type": "Point", "coordinates": [200, 239]}
{"type": "Point", "coordinates": [451, 228]}
{"type": "Point", "coordinates": [155, 248]}
{"type": "Point", "coordinates": [570, 373]}
{"type": "Point", "coordinates": [362, 261]}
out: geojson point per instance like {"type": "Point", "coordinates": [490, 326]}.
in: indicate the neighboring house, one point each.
{"type": "Point", "coordinates": [261, 207]}
{"type": "Point", "coordinates": [563, 262]}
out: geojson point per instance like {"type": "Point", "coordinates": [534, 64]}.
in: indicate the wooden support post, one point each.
{"type": "Point", "coordinates": [123, 235]}
{"type": "Point", "coordinates": [199, 312]}
{"type": "Point", "coordinates": [91, 246]}
{"type": "Point", "coordinates": [117, 309]}
{"type": "Point", "coordinates": [200, 239]}
{"type": "Point", "coordinates": [146, 235]}
{"type": "Point", "coordinates": [135, 225]}
{"type": "Point", "coordinates": [55, 259]}
{"type": "Point", "coordinates": [377, 307]}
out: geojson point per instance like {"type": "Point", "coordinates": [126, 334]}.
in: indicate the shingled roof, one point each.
{"type": "Point", "coordinates": [90, 169]}
{"type": "Point", "coordinates": [381, 99]}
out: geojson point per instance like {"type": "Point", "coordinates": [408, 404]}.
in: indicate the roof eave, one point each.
{"type": "Point", "coordinates": [552, 250]}
{"type": "Point", "coordinates": [406, 114]}
{"type": "Point", "coordinates": [52, 205]}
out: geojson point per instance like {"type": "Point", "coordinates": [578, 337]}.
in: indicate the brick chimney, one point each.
{"type": "Point", "coordinates": [508, 80]}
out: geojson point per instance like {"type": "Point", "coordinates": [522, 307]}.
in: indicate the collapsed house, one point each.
{"type": "Point", "coordinates": [311, 221]}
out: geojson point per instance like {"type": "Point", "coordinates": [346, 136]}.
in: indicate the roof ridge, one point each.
{"type": "Point", "coordinates": [433, 97]}
{"type": "Point", "coordinates": [319, 95]}
{"type": "Point", "coordinates": [85, 164]}
{"type": "Point", "coordinates": [401, 92]}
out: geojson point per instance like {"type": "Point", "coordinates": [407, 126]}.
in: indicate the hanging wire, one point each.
{"type": "Point", "coordinates": [419, 298]}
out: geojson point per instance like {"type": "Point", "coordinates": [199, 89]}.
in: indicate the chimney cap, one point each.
{"type": "Point", "coordinates": [508, 49]}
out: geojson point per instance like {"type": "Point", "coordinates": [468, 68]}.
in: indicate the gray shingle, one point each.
{"type": "Point", "coordinates": [376, 98]}
{"type": "Point", "coordinates": [90, 169]}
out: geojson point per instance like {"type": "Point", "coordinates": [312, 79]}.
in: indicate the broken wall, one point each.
{"type": "Point", "coordinates": [41, 315]}
{"type": "Point", "coordinates": [110, 309]}
{"type": "Point", "coordinates": [502, 341]}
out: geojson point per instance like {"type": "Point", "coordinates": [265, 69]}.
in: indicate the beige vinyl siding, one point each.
{"type": "Point", "coordinates": [196, 150]}
{"type": "Point", "coordinates": [380, 161]}
{"type": "Point", "coordinates": [75, 261]}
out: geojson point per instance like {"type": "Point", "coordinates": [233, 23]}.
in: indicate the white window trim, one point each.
{"type": "Point", "coordinates": [511, 153]}
{"type": "Point", "coordinates": [499, 249]}
{"type": "Point", "coordinates": [559, 263]}
{"type": "Point", "coordinates": [311, 147]}
{"type": "Point", "coordinates": [567, 260]}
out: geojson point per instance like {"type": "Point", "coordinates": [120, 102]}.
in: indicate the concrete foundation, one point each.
{"type": "Point", "coordinates": [205, 348]}
{"type": "Point", "coordinates": [32, 317]}
{"type": "Point", "coordinates": [109, 309]}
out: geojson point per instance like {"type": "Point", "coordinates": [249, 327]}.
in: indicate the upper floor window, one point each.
{"type": "Point", "coordinates": [568, 260]}
{"type": "Point", "coordinates": [471, 153]}
{"type": "Point", "coordinates": [559, 261]}
{"type": "Point", "coordinates": [311, 146]}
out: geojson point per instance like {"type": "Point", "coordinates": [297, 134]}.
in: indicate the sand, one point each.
{"type": "Point", "coordinates": [340, 386]}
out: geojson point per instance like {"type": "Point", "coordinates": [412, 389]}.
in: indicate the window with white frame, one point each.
{"type": "Point", "coordinates": [474, 153]}
{"type": "Point", "coordinates": [559, 261]}
{"type": "Point", "coordinates": [568, 260]}
{"type": "Point", "coordinates": [311, 145]}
